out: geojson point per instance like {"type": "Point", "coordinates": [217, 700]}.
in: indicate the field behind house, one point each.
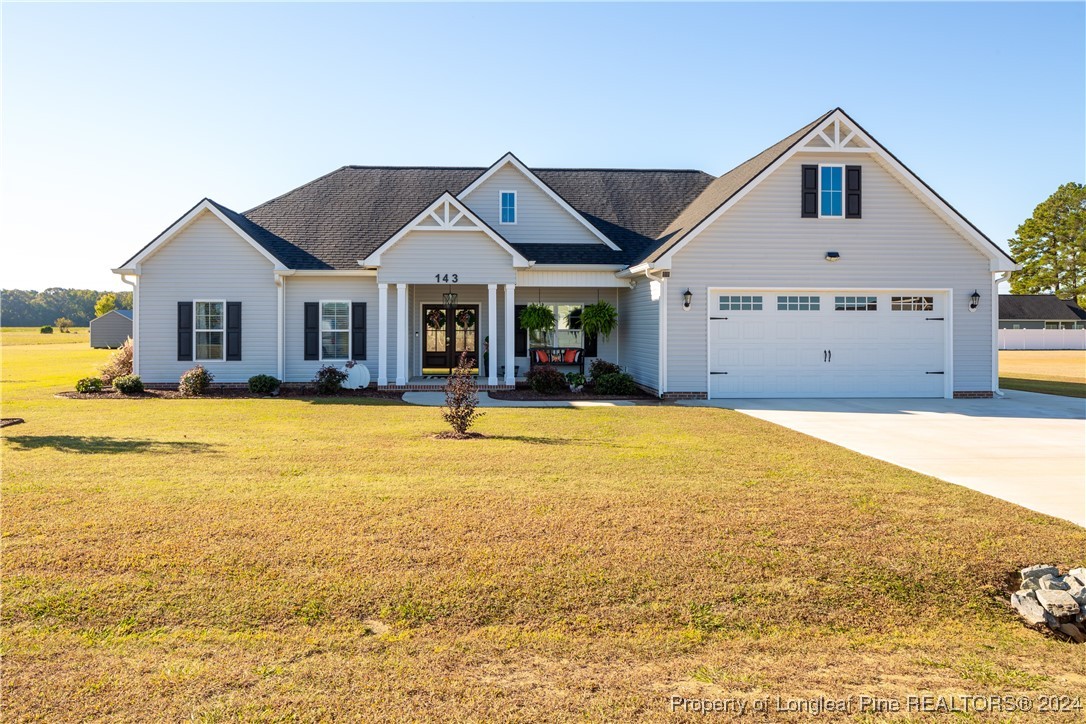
{"type": "Point", "coordinates": [314, 558]}
{"type": "Point", "coordinates": [1054, 372]}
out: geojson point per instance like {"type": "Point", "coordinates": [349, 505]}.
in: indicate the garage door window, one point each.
{"type": "Point", "coordinates": [798, 304]}
{"type": "Point", "coordinates": [912, 304]}
{"type": "Point", "coordinates": [741, 303]}
{"type": "Point", "coordinates": [855, 304]}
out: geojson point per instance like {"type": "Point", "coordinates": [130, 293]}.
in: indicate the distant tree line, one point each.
{"type": "Point", "coordinates": [28, 308]}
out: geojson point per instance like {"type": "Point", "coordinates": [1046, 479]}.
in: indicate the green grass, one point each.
{"type": "Point", "coordinates": [308, 558]}
{"type": "Point", "coordinates": [1047, 387]}
{"type": "Point", "coordinates": [1051, 372]}
{"type": "Point", "coordinates": [33, 335]}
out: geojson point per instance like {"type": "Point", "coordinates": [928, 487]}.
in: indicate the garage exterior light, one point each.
{"type": "Point", "coordinates": [974, 301]}
{"type": "Point", "coordinates": [688, 297]}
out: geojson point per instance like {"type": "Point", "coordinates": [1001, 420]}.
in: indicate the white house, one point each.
{"type": "Point", "coordinates": [821, 267]}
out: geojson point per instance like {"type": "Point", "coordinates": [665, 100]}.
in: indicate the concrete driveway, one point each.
{"type": "Point", "coordinates": [1025, 448]}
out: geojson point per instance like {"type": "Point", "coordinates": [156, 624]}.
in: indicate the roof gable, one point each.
{"type": "Point", "coordinates": [511, 161]}
{"type": "Point", "coordinates": [834, 131]}
{"type": "Point", "coordinates": [446, 213]}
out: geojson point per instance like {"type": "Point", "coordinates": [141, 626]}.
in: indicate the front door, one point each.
{"type": "Point", "coordinates": [450, 331]}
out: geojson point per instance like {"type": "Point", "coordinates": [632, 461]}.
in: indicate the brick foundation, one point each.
{"type": "Point", "coordinates": [685, 396]}
{"type": "Point", "coordinates": [974, 395]}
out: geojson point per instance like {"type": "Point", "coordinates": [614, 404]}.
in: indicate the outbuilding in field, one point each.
{"type": "Point", "coordinates": [111, 329]}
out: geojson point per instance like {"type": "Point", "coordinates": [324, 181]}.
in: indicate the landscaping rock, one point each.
{"type": "Point", "coordinates": [1025, 603]}
{"type": "Point", "coordinates": [1078, 574]}
{"type": "Point", "coordinates": [1070, 629]}
{"type": "Point", "coordinates": [1059, 604]}
{"type": "Point", "coordinates": [1036, 572]}
{"type": "Point", "coordinates": [1030, 584]}
{"type": "Point", "coordinates": [1053, 583]}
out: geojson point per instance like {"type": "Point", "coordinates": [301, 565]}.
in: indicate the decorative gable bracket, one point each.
{"type": "Point", "coordinates": [838, 134]}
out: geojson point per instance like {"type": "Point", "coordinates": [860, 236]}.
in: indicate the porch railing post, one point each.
{"type": "Point", "coordinates": [401, 334]}
{"type": "Point", "coordinates": [510, 334]}
{"type": "Point", "coordinates": [382, 335]}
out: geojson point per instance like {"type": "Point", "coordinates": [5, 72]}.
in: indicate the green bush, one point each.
{"type": "Point", "coordinates": [46, 330]}
{"type": "Point", "coordinates": [600, 367]}
{"type": "Point", "coordinates": [195, 382]}
{"type": "Point", "coordinates": [329, 380]}
{"type": "Point", "coordinates": [128, 384]}
{"type": "Point", "coordinates": [616, 383]}
{"type": "Point", "coordinates": [88, 384]}
{"type": "Point", "coordinates": [546, 380]}
{"type": "Point", "coordinates": [263, 384]}
{"type": "Point", "coordinates": [575, 379]}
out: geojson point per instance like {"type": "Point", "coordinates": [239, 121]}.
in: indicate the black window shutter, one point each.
{"type": "Point", "coordinates": [520, 334]}
{"type": "Point", "coordinates": [312, 331]}
{"type": "Point", "coordinates": [184, 331]}
{"type": "Point", "coordinates": [852, 192]}
{"type": "Point", "coordinates": [591, 345]}
{"type": "Point", "coordinates": [233, 331]}
{"type": "Point", "coordinates": [809, 209]}
{"type": "Point", "coordinates": [358, 330]}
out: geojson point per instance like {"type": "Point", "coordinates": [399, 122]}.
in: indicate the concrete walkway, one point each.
{"type": "Point", "coordinates": [1025, 448]}
{"type": "Point", "coordinates": [437, 399]}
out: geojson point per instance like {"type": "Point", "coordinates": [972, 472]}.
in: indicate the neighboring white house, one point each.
{"type": "Point", "coordinates": [111, 329]}
{"type": "Point", "coordinates": [821, 267]}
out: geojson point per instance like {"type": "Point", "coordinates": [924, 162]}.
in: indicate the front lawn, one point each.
{"type": "Point", "coordinates": [270, 558]}
{"type": "Point", "coordinates": [1053, 372]}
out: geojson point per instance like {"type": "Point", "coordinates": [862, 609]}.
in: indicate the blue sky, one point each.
{"type": "Point", "coordinates": [118, 117]}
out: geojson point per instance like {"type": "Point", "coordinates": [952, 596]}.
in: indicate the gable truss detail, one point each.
{"type": "Point", "coordinates": [837, 136]}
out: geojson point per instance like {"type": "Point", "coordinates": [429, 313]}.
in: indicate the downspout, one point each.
{"type": "Point", "coordinates": [280, 322]}
{"type": "Point", "coordinates": [661, 362]}
{"type": "Point", "coordinates": [997, 279]}
{"type": "Point", "coordinates": [135, 320]}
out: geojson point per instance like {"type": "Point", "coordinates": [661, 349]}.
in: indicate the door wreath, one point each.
{"type": "Point", "coordinates": [435, 319]}
{"type": "Point", "coordinates": [465, 318]}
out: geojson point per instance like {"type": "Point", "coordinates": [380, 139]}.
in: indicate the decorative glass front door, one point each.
{"type": "Point", "coordinates": [449, 331]}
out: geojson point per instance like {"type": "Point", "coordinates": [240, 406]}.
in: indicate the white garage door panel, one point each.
{"type": "Point", "coordinates": [826, 352]}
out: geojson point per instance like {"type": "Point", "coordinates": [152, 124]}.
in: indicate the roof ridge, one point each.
{"type": "Point", "coordinates": [414, 168]}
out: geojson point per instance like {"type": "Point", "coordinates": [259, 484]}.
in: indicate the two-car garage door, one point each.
{"type": "Point", "coordinates": [837, 343]}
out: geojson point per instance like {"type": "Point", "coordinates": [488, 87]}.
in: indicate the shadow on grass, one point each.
{"type": "Point", "coordinates": [103, 445]}
{"type": "Point", "coordinates": [1044, 387]}
{"type": "Point", "coordinates": [531, 439]}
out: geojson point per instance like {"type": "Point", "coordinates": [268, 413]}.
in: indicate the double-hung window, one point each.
{"type": "Point", "coordinates": [335, 330]}
{"type": "Point", "coordinates": [831, 191]}
{"type": "Point", "coordinates": [509, 207]}
{"type": "Point", "coordinates": [210, 329]}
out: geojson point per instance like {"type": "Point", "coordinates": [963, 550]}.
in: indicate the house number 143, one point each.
{"type": "Point", "coordinates": [446, 278]}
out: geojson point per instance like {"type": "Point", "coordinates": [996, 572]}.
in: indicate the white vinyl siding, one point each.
{"type": "Point", "coordinates": [639, 327]}
{"type": "Point", "coordinates": [301, 289]}
{"type": "Point", "coordinates": [474, 257]}
{"type": "Point", "coordinates": [540, 219]}
{"type": "Point", "coordinates": [206, 260]}
{"type": "Point", "coordinates": [762, 242]}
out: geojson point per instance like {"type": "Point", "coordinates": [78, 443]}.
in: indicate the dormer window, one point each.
{"type": "Point", "coordinates": [509, 207]}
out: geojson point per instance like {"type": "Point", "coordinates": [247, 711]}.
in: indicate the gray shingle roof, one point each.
{"type": "Point", "coordinates": [1038, 307]}
{"type": "Point", "coordinates": [333, 221]}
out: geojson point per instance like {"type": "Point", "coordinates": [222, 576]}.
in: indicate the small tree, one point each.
{"type": "Point", "coordinates": [461, 399]}
{"type": "Point", "coordinates": [63, 324]}
{"type": "Point", "coordinates": [105, 304]}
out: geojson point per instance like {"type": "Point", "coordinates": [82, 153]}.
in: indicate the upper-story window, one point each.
{"type": "Point", "coordinates": [831, 191]}
{"type": "Point", "coordinates": [509, 207]}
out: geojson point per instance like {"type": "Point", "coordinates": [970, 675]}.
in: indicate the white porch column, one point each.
{"type": "Point", "coordinates": [492, 331]}
{"type": "Point", "coordinates": [382, 335]}
{"type": "Point", "coordinates": [401, 334]}
{"type": "Point", "coordinates": [510, 334]}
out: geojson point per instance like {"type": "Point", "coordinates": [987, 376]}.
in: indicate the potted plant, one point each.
{"type": "Point", "coordinates": [600, 318]}
{"type": "Point", "coordinates": [538, 319]}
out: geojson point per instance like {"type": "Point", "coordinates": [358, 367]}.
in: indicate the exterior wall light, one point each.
{"type": "Point", "coordinates": [974, 301]}
{"type": "Point", "coordinates": [450, 298]}
{"type": "Point", "coordinates": [832, 256]}
{"type": "Point", "coordinates": [688, 297]}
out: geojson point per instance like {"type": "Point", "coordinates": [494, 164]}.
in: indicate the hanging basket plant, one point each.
{"type": "Point", "coordinates": [435, 319]}
{"type": "Point", "coordinates": [537, 318]}
{"type": "Point", "coordinates": [600, 318]}
{"type": "Point", "coordinates": [465, 318]}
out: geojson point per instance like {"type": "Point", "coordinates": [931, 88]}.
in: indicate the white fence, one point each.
{"type": "Point", "coordinates": [1042, 339]}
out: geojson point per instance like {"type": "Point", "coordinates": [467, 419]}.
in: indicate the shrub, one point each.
{"type": "Point", "coordinates": [575, 379]}
{"type": "Point", "coordinates": [602, 367]}
{"type": "Point", "coordinates": [547, 380]}
{"type": "Point", "coordinates": [616, 383]}
{"type": "Point", "coordinates": [195, 382]}
{"type": "Point", "coordinates": [46, 330]}
{"type": "Point", "coordinates": [63, 324]}
{"type": "Point", "coordinates": [329, 380]}
{"type": "Point", "coordinates": [263, 384]}
{"type": "Point", "coordinates": [128, 384]}
{"type": "Point", "coordinates": [88, 384]}
{"type": "Point", "coordinates": [119, 364]}
{"type": "Point", "coordinates": [461, 398]}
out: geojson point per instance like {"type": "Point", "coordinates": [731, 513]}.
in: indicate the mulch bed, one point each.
{"type": "Point", "coordinates": [227, 393]}
{"type": "Point", "coordinates": [530, 395]}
